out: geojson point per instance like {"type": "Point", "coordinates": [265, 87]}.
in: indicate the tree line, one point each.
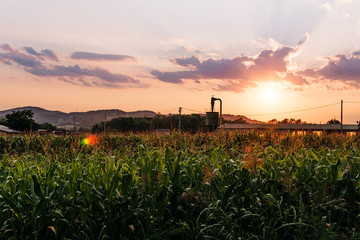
{"type": "Point", "coordinates": [23, 121]}
{"type": "Point", "coordinates": [299, 121]}
{"type": "Point", "coordinates": [190, 123]}
{"type": "Point", "coordinates": [287, 121]}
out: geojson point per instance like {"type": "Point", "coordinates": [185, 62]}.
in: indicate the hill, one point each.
{"type": "Point", "coordinates": [231, 117]}
{"type": "Point", "coordinates": [90, 118]}
{"type": "Point", "coordinates": [79, 119]}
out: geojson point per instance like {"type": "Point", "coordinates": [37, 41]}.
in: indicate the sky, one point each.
{"type": "Point", "coordinates": [265, 59]}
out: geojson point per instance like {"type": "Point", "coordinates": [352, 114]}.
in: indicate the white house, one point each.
{"type": "Point", "coordinates": [5, 129]}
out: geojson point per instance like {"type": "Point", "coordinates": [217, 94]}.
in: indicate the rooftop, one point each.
{"type": "Point", "coordinates": [292, 127]}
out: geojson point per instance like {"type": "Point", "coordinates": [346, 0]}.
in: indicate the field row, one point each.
{"type": "Point", "coordinates": [180, 186]}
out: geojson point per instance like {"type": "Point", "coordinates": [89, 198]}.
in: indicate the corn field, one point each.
{"type": "Point", "coordinates": [246, 185]}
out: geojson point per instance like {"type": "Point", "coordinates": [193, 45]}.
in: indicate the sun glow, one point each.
{"type": "Point", "coordinates": [269, 94]}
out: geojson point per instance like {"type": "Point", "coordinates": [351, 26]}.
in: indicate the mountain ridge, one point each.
{"type": "Point", "coordinates": [77, 119]}
{"type": "Point", "coordinates": [90, 118]}
{"type": "Point", "coordinates": [231, 117]}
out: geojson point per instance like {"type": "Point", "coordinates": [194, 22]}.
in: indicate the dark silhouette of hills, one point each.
{"type": "Point", "coordinates": [90, 118]}
{"type": "Point", "coordinates": [78, 119]}
{"type": "Point", "coordinates": [231, 117]}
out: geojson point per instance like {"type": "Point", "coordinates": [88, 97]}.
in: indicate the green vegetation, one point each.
{"type": "Point", "coordinates": [333, 121]}
{"type": "Point", "coordinates": [23, 121]}
{"type": "Point", "coordinates": [298, 121]}
{"type": "Point", "coordinates": [181, 186]}
{"type": "Point", "coordinates": [192, 123]}
{"type": "Point", "coordinates": [20, 120]}
{"type": "Point", "coordinates": [287, 121]}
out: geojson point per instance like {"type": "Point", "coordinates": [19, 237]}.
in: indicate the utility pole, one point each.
{"type": "Point", "coordinates": [180, 108]}
{"type": "Point", "coordinates": [342, 116]}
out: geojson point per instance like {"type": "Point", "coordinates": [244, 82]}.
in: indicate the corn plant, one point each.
{"type": "Point", "coordinates": [242, 185]}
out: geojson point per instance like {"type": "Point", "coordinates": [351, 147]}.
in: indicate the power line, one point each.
{"type": "Point", "coordinates": [268, 114]}
{"type": "Point", "coordinates": [193, 110]}
{"type": "Point", "coordinates": [301, 110]}
{"type": "Point", "coordinates": [171, 110]}
{"type": "Point", "coordinates": [176, 110]}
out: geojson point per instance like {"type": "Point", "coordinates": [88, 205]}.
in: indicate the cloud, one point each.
{"type": "Point", "coordinates": [296, 80]}
{"type": "Point", "coordinates": [101, 77]}
{"type": "Point", "coordinates": [9, 55]}
{"type": "Point", "coordinates": [304, 40]}
{"type": "Point", "coordinates": [237, 73]}
{"type": "Point", "coordinates": [49, 54]}
{"type": "Point", "coordinates": [191, 48]}
{"type": "Point", "coordinates": [6, 47]}
{"type": "Point", "coordinates": [235, 86]}
{"type": "Point", "coordinates": [101, 57]}
{"type": "Point", "coordinates": [36, 63]}
{"type": "Point", "coordinates": [326, 6]}
{"type": "Point", "coordinates": [175, 77]}
{"type": "Point", "coordinates": [31, 51]}
{"type": "Point", "coordinates": [76, 71]}
{"type": "Point", "coordinates": [341, 68]}
{"type": "Point", "coordinates": [46, 53]}
{"type": "Point", "coordinates": [188, 62]}
{"type": "Point", "coordinates": [20, 58]}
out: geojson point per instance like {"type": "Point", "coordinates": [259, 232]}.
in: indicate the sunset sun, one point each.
{"type": "Point", "coordinates": [269, 95]}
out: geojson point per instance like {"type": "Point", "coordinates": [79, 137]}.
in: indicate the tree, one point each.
{"type": "Point", "coordinates": [285, 121]}
{"type": "Point", "coordinates": [292, 121]}
{"type": "Point", "coordinates": [48, 126]}
{"type": "Point", "coordinates": [273, 121]}
{"type": "Point", "coordinates": [20, 120]}
{"type": "Point", "coordinates": [191, 123]}
{"type": "Point", "coordinates": [333, 121]}
{"type": "Point", "coordinates": [299, 121]}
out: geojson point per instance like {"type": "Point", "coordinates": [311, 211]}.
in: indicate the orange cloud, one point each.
{"type": "Point", "coordinates": [238, 73]}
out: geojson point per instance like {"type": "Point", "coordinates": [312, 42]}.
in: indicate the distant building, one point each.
{"type": "Point", "coordinates": [5, 129]}
{"type": "Point", "coordinates": [42, 131]}
{"type": "Point", "coordinates": [160, 130]}
{"type": "Point", "coordinates": [58, 132]}
{"type": "Point", "coordinates": [291, 127]}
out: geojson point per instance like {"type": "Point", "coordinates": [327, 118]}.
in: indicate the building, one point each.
{"type": "Point", "coordinates": [5, 129]}
{"type": "Point", "coordinates": [291, 127]}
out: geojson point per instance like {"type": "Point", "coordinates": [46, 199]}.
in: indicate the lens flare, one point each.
{"type": "Point", "coordinates": [90, 140]}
